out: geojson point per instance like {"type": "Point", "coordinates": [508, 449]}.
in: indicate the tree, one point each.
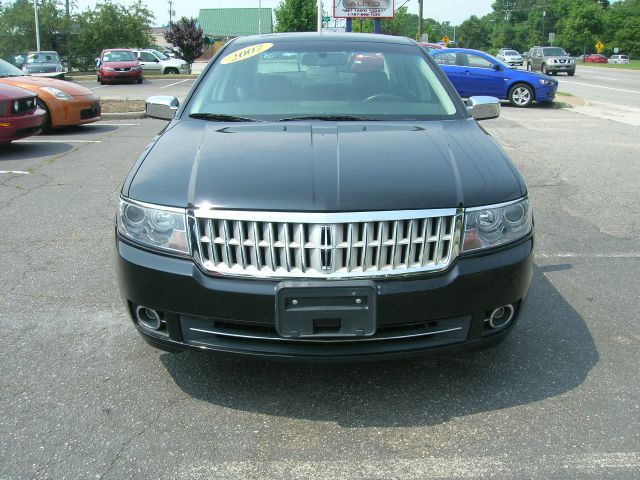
{"type": "Point", "coordinates": [17, 26]}
{"type": "Point", "coordinates": [111, 25]}
{"type": "Point", "coordinates": [475, 33]}
{"type": "Point", "coordinates": [296, 16]}
{"type": "Point", "coordinates": [188, 37]}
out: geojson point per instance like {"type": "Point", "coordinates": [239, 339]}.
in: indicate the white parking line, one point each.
{"type": "Point", "coordinates": [101, 86]}
{"type": "Point", "coordinates": [176, 83]}
{"type": "Point", "coordinates": [113, 124]}
{"type": "Point", "coordinates": [58, 141]}
{"type": "Point", "coordinates": [17, 172]}
{"type": "Point", "coordinates": [601, 86]}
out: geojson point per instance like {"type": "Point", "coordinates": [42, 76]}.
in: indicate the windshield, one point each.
{"type": "Point", "coordinates": [554, 52]}
{"type": "Point", "coordinates": [511, 52]}
{"type": "Point", "coordinates": [8, 70]}
{"type": "Point", "coordinates": [334, 80]}
{"type": "Point", "coordinates": [160, 55]}
{"type": "Point", "coordinates": [118, 56]}
{"type": "Point", "coordinates": [43, 57]}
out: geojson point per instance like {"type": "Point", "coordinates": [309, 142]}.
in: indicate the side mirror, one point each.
{"type": "Point", "coordinates": [483, 108]}
{"type": "Point", "coordinates": [496, 66]}
{"type": "Point", "coordinates": [157, 61]}
{"type": "Point", "coordinates": [162, 107]}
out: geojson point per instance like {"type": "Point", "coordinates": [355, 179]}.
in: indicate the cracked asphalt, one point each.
{"type": "Point", "coordinates": [82, 396]}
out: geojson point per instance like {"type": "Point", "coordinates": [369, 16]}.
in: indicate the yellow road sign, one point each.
{"type": "Point", "coordinates": [445, 40]}
{"type": "Point", "coordinates": [599, 47]}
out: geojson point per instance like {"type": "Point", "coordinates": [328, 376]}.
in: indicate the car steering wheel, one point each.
{"type": "Point", "coordinates": [389, 96]}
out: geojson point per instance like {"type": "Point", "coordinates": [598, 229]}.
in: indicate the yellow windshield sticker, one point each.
{"type": "Point", "coordinates": [245, 53]}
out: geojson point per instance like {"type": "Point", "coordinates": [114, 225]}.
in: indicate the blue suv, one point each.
{"type": "Point", "coordinates": [477, 73]}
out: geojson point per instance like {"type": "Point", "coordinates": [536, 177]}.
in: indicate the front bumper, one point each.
{"type": "Point", "coordinates": [561, 67]}
{"type": "Point", "coordinates": [128, 76]}
{"type": "Point", "coordinates": [21, 126]}
{"type": "Point", "coordinates": [415, 315]}
{"type": "Point", "coordinates": [80, 110]}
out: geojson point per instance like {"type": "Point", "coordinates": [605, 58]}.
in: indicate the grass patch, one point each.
{"type": "Point", "coordinates": [564, 94]}
{"type": "Point", "coordinates": [122, 106]}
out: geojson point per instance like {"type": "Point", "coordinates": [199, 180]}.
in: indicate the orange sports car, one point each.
{"type": "Point", "coordinates": [65, 103]}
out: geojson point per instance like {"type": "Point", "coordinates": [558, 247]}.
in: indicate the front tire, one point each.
{"type": "Point", "coordinates": [521, 95]}
{"type": "Point", "coordinates": [46, 124]}
{"type": "Point", "coordinates": [543, 69]}
{"type": "Point", "coordinates": [529, 69]}
{"type": "Point", "coordinates": [171, 71]}
{"type": "Point", "coordinates": [571, 74]}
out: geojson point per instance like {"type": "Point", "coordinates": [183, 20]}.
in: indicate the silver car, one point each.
{"type": "Point", "coordinates": [550, 61]}
{"type": "Point", "coordinates": [153, 61]}
{"type": "Point", "coordinates": [509, 56]}
{"type": "Point", "coordinates": [39, 62]}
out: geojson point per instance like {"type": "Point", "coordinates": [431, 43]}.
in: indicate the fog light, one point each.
{"type": "Point", "coordinates": [149, 318]}
{"type": "Point", "coordinates": [501, 317]}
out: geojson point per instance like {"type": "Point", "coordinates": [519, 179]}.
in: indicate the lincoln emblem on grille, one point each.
{"type": "Point", "coordinates": [326, 248]}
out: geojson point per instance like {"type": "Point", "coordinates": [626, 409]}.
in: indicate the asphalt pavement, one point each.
{"type": "Point", "coordinates": [82, 395]}
{"type": "Point", "coordinates": [175, 86]}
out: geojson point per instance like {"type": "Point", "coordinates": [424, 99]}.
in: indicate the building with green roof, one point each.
{"type": "Point", "coordinates": [223, 23]}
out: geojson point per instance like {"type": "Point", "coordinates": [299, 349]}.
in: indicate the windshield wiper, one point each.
{"type": "Point", "coordinates": [329, 118]}
{"type": "Point", "coordinates": [221, 117]}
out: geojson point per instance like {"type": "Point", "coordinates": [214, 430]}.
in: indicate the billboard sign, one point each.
{"type": "Point", "coordinates": [363, 8]}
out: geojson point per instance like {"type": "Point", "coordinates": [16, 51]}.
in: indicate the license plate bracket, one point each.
{"type": "Point", "coordinates": [326, 310]}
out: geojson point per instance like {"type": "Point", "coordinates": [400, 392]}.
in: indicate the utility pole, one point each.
{"type": "Point", "coordinates": [35, 9]}
{"type": "Point", "coordinates": [171, 12]}
{"type": "Point", "coordinates": [420, 20]}
{"type": "Point", "coordinates": [68, 35]}
{"type": "Point", "coordinates": [320, 16]}
{"type": "Point", "coordinates": [544, 16]}
{"type": "Point", "coordinates": [259, 17]}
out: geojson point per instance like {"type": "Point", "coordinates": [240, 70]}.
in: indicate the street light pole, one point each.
{"type": "Point", "coordinates": [259, 17]}
{"type": "Point", "coordinates": [420, 20]}
{"type": "Point", "coordinates": [320, 16]}
{"type": "Point", "coordinates": [35, 9]}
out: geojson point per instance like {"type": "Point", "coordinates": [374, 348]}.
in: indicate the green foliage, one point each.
{"type": "Point", "coordinates": [186, 35]}
{"type": "Point", "coordinates": [296, 16]}
{"type": "Point", "coordinates": [111, 25]}
{"type": "Point", "coordinates": [475, 33]}
{"type": "Point", "coordinates": [17, 26]}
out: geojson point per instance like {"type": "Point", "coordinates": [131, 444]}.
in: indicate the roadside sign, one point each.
{"type": "Point", "coordinates": [616, 50]}
{"type": "Point", "coordinates": [445, 40]}
{"type": "Point", "coordinates": [599, 47]}
{"type": "Point", "coordinates": [552, 37]}
{"type": "Point", "coordinates": [326, 19]}
{"type": "Point", "coordinates": [363, 8]}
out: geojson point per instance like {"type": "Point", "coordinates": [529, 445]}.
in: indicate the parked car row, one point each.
{"type": "Point", "coordinates": [29, 104]}
{"type": "Point", "coordinates": [129, 64]}
{"type": "Point", "coordinates": [598, 58]}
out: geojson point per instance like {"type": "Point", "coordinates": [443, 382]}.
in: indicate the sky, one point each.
{"type": "Point", "coordinates": [455, 11]}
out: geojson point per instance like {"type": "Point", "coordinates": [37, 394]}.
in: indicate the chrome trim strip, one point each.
{"type": "Point", "coordinates": [328, 340]}
{"type": "Point", "coordinates": [321, 217]}
{"type": "Point", "coordinates": [153, 205]}
{"type": "Point", "coordinates": [497, 205]}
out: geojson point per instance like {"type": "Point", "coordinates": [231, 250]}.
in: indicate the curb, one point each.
{"type": "Point", "coordinates": [124, 115]}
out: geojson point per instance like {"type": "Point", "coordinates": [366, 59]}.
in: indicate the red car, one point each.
{"type": "Point", "coordinates": [20, 116]}
{"type": "Point", "coordinates": [595, 58]}
{"type": "Point", "coordinates": [118, 65]}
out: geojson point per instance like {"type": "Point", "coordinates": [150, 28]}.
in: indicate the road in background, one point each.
{"type": "Point", "coordinates": [83, 396]}
{"type": "Point", "coordinates": [611, 85]}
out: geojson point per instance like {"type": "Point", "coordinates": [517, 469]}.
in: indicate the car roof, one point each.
{"type": "Point", "coordinates": [328, 36]}
{"type": "Point", "coordinates": [116, 50]}
{"type": "Point", "coordinates": [465, 50]}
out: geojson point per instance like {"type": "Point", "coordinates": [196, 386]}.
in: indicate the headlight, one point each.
{"type": "Point", "coordinates": [548, 83]}
{"type": "Point", "coordinates": [59, 94]}
{"type": "Point", "coordinates": [158, 227]}
{"type": "Point", "coordinates": [108, 69]}
{"type": "Point", "coordinates": [495, 225]}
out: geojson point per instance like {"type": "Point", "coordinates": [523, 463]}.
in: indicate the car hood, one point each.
{"type": "Point", "coordinates": [119, 64]}
{"type": "Point", "coordinates": [10, 92]}
{"type": "Point", "coordinates": [42, 66]}
{"type": "Point", "coordinates": [173, 62]}
{"type": "Point", "coordinates": [33, 83]}
{"type": "Point", "coordinates": [324, 166]}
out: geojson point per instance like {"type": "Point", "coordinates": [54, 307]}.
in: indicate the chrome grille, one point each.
{"type": "Point", "coordinates": [326, 245]}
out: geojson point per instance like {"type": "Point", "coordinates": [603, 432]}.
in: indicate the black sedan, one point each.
{"type": "Point", "coordinates": [302, 205]}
